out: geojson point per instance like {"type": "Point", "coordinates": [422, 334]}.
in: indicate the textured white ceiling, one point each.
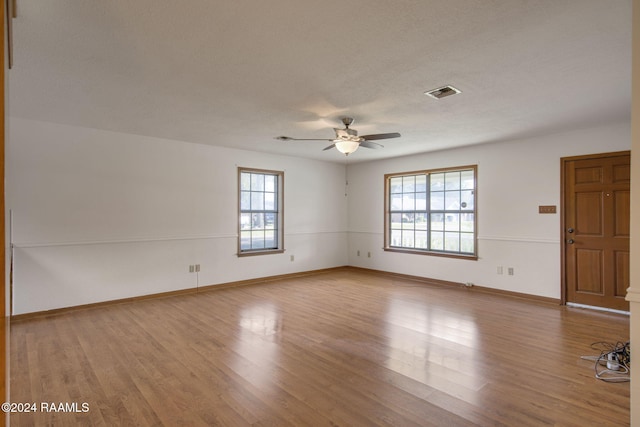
{"type": "Point", "coordinates": [238, 73]}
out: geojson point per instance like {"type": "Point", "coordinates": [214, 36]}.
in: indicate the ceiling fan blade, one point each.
{"type": "Point", "coordinates": [288, 138]}
{"type": "Point", "coordinates": [329, 147]}
{"type": "Point", "coordinates": [380, 136]}
{"type": "Point", "coordinates": [369, 144]}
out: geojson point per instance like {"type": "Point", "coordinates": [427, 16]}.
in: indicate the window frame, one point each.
{"type": "Point", "coordinates": [428, 211]}
{"type": "Point", "coordinates": [279, 211]}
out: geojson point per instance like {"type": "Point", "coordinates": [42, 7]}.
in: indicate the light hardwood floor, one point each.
{"type": "Point", "coordinates": [346, 348]}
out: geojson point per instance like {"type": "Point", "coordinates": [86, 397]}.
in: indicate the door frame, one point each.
{"type": "Point", "coordinates": [563, 242]}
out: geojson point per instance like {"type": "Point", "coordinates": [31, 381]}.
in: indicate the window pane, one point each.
{"type": "Point", "coordinates": [437, 241]}
{"type": "Point", "coordinates": [395, 185]}
{"type": "Point", "coordinates": [270, 221]}
{"type": "Point", "coordinates": [245, 200]}
{"type": "Point", "coordinates": [467, 222]}
{"type": "Point", "coordinates": [437, 221]}
{"type": "Point", "coordinates": [437, 182]}
{"type": "Point", "coordinates": [408, 202]}
{"type": "Point", "coordinates": [421, 221]}
{"type": "Point", "coordinates": [452, 242]}
{"type": "Point", "coordinates": [466, 179]}
{"type": "Point", "coordinates": [257, 201]}
{"type": "Point", "coordinates": [467, 200]}
{"type": "Point", "coordinates": [245, 240]}
{"type": "Point", "coordinates": [421, 183]}
{"type": "Point", "coordinates": [408, 221]}
{"type": "Point", "coordinates": [421, 201]}
{"type": "Point", "coordinates": [396, 202]}
{"type": "Point", "coordinates": [421, 240]}
{"type": "Point", "coordinates": [407, 238]}
{"type": "Point", "coordinates": [408, 184]}
{"type": "Point", "coordinates": [270, 183]}
{"type": "Point", "coordinates": [245, 221]}
{"type": "Point", "coordinates": [452, 222]}
{"type": "Point", "coordinates": [437, 201]}
{"type": "Point", "coordinates": [452, 200]}
{"type": "Point", "coordinates": [257, 182]}
{"type": "Point", "coordinates": [245, 181]}
{"type": "Point", "coordinates": [270, 239]}
{"type": "Point", "coordinates": [257, 221]}
{"type": "Point", "coordinates": [396, 220]}
{"type": "Point", "coordinates": [257, 240]}
{"type": "Point", "coordinates": [452, 181]}
{"type": "Point", "coordinates": [467, 243]}
{"type": "Point", "coordinates": [269, 201]}
{"type": "Point", "coordinates": [396, 238]}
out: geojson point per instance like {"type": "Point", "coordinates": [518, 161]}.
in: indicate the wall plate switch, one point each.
{"type": "Point", "coordinates": [510, 271]}
{"type": "Point", "coordinates": [197, 268]}
{"type": "Point", "coordinates": [192, 268]}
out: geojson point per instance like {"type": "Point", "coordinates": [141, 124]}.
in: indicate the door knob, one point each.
{"type": "Point", "coordinates": [570, 241]}
{"type": "Point", "coordinates": [570, 230]}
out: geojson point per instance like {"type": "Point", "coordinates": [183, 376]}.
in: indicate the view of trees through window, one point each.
{"type": "Point", "coordinates": [260, 222]}
{"type": "Point", "coordinates": [432, 211]}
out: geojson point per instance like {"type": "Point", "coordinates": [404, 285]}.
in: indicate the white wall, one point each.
{"type": "Point", "coordinates": [99, 215]}
{"type": "Point", "coordinates": [513, 179]}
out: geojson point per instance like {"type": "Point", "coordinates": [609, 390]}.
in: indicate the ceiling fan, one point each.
{"type": "Point", "coordinates": [347, 140]}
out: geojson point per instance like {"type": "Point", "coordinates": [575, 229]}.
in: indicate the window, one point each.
{"type": "Point", "coordinates": [432, 212]}
{"type": "Point", "coordinates": [260, 211]}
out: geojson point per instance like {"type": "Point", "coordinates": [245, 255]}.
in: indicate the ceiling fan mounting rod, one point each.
{"type": "Point", "coordinates": [347, 121]}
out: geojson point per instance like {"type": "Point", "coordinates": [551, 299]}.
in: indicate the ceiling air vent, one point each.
{"type": "Point", "coordinates": [442, 92]}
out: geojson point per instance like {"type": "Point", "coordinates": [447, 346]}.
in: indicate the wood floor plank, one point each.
{"type": "Point", "coordinates": [344, 348]}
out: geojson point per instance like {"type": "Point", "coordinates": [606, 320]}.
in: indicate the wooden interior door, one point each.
{"type": "Point", "coordinates": [596, 227]}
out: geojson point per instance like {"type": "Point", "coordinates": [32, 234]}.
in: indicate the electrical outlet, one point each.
{"type": "Point", "coordinates": [510, 271]}
{"type": "Point", "coordinates": [358, 252]}
{"type": "Point", "coordinates": [368, 254]}
{"type": "Point", "coordinates": [197, 268]}
{"type": "Point", "coordinates": [192, 268]}
{"type": "Point", "coordinates": [292, 258]}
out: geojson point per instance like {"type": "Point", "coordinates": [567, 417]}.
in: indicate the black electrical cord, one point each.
{"type": "Point", "coordinates": [616, 357]}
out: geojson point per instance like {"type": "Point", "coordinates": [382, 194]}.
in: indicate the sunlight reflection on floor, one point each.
{"type": "Point", "coordinates": [256, 347]}
{"type": "Point", "coordinates": [433, 347]}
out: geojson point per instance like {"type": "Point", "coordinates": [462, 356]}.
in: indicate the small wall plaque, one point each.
{"type": "Point", "coordinates": [547, 209]}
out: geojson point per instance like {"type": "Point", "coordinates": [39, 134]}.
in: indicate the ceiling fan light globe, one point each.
{"type": "Point", "coordinates": [347, 147]}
